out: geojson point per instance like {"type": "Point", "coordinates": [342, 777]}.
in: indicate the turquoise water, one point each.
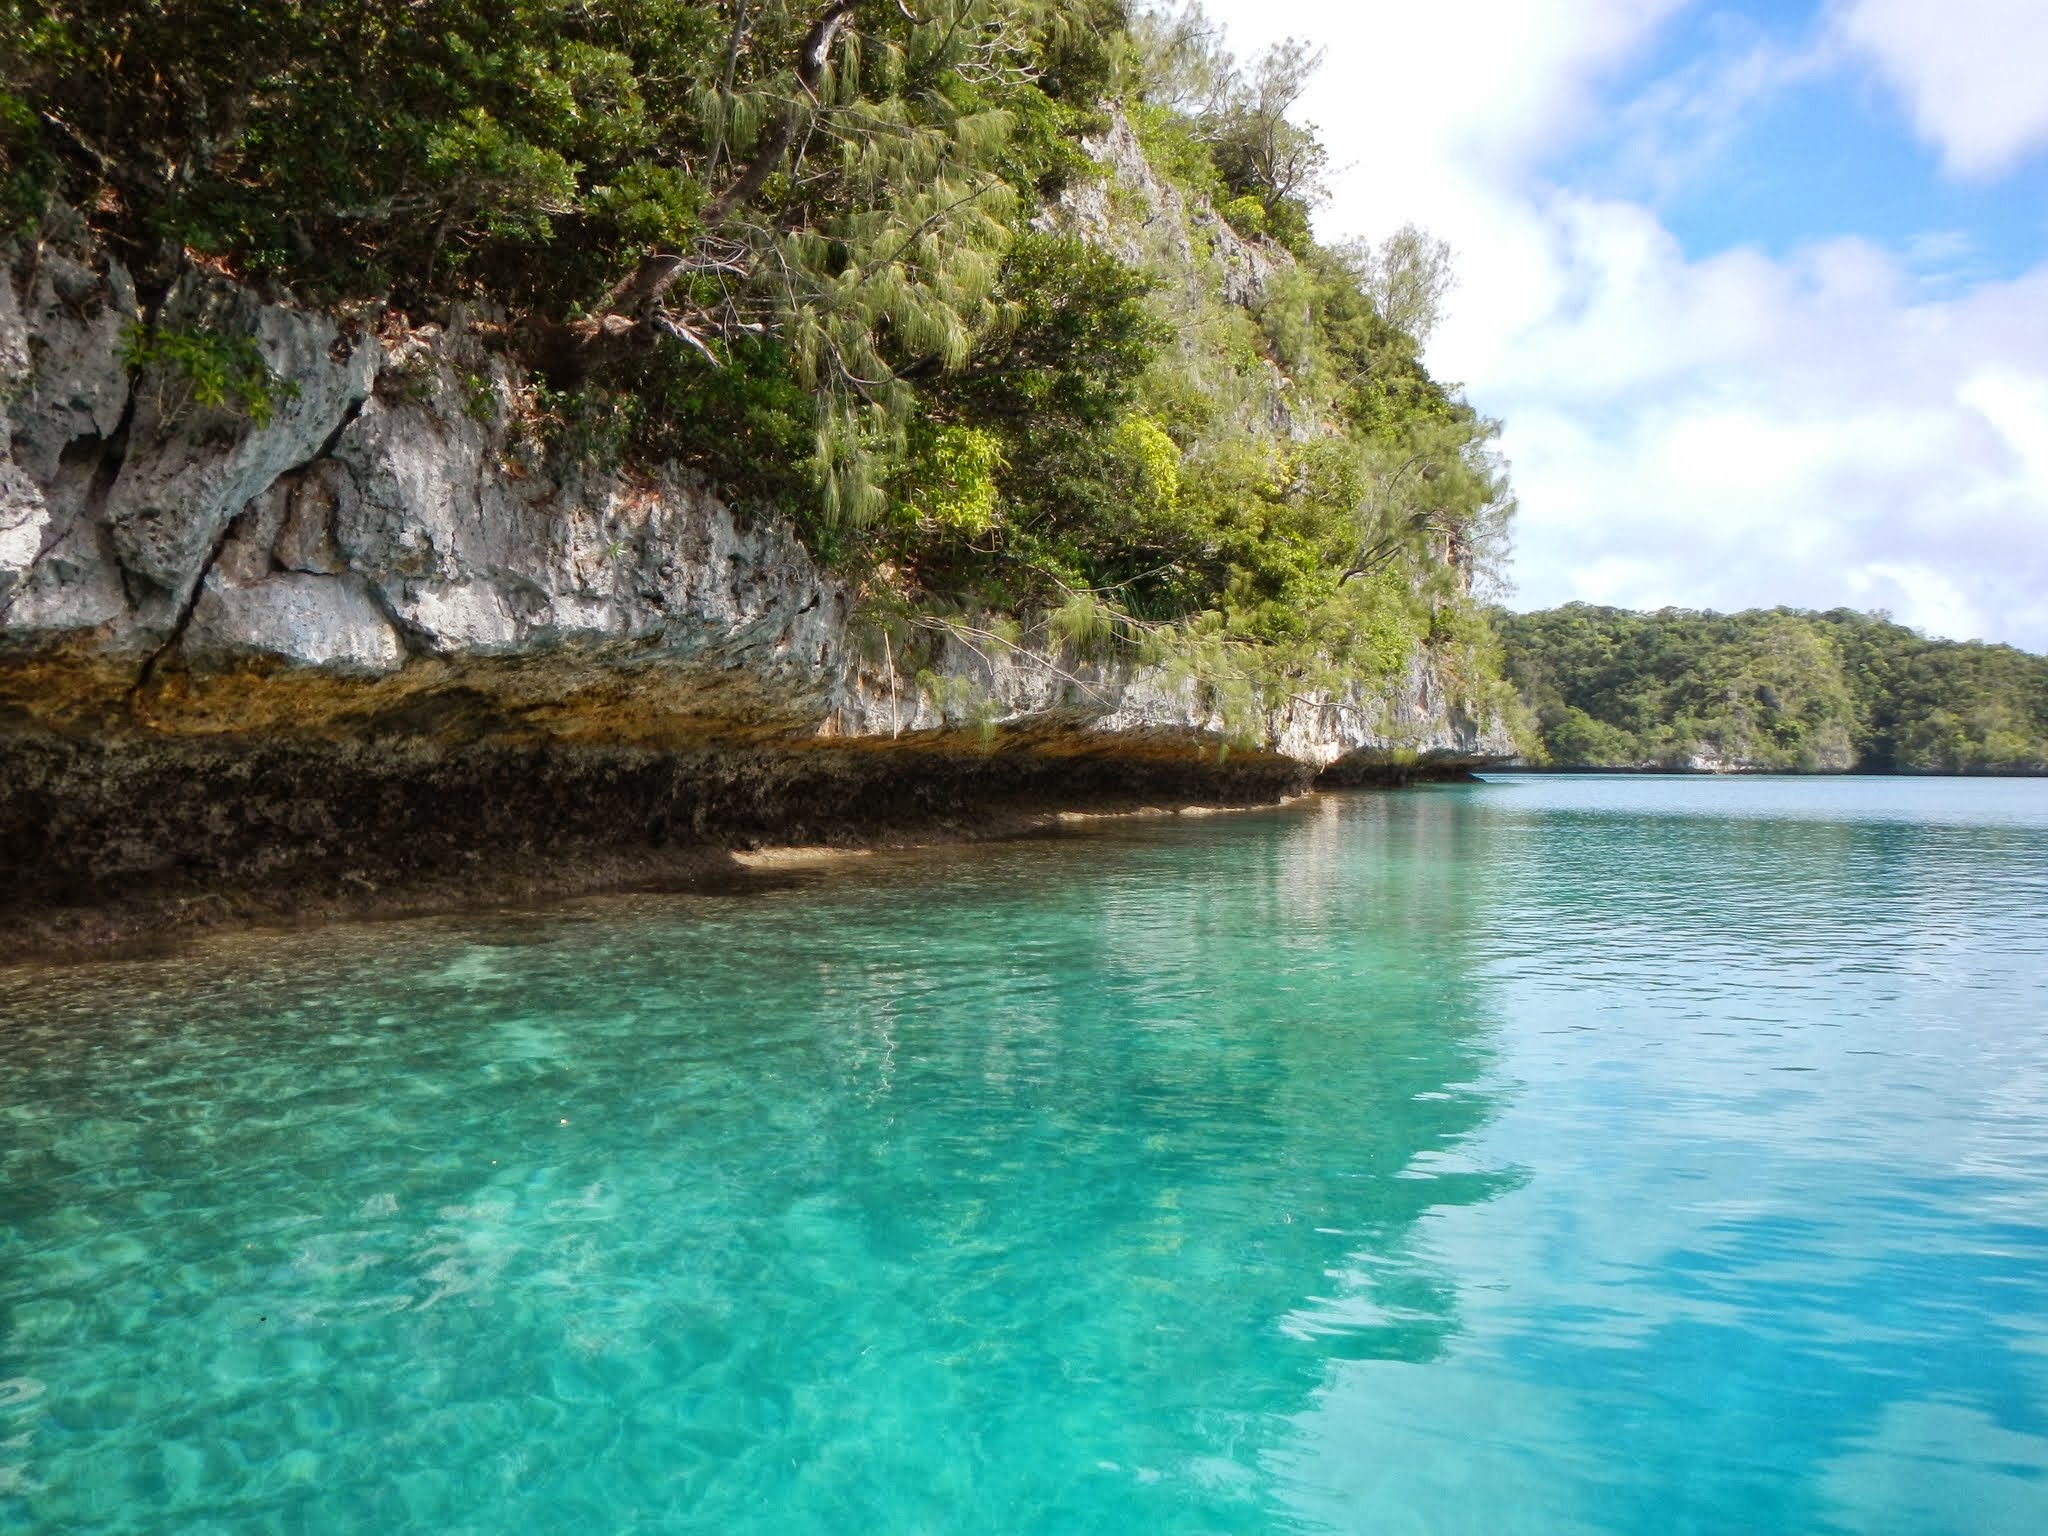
{"type": "Point", "coordinates": [1540, 1156]}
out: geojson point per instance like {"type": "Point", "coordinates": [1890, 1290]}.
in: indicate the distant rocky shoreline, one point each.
{"type": "Point", "coordinates": [1753, 771]}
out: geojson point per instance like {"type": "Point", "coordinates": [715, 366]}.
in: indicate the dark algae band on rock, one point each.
{"type": "Point", "coordinates": [109, 842]}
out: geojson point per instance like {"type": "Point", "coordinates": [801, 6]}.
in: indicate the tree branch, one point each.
{"type": "Point", "coordinates": [812, 56]}
{"type": "Point", "coordinates": [732, 64]}
{"type": "Point", "coordinates": [642, 291]}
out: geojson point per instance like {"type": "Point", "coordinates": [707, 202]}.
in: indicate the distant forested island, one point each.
{"type": "Point", "coordinates": [1770, 690]}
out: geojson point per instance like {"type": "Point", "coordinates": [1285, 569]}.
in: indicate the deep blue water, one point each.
{"type": "Point", "coordinates": [1616, 1155]}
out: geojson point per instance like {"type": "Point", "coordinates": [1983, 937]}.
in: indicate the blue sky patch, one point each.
{"type": "Point", "coordinates": [1741, 124]}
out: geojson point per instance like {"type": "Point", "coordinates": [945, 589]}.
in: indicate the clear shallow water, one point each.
{"type": "Point", "coordinates": [1549, 1155]}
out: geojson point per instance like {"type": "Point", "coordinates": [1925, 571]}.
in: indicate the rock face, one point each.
{"type": "Point", "coordinates": [362, 632]}
{"type": "Point", "coordinates": [1147, 222]}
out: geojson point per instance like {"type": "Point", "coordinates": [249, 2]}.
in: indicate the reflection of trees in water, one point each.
{"type": "Point", "coordinates": [1214, 1081]}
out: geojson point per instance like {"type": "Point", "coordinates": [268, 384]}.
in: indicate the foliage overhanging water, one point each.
{"type": "Point", "coordinates": [1548, 1155]}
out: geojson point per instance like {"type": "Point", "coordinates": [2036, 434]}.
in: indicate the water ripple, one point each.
{"type": "Point", "coordinates": [1552, 1155]}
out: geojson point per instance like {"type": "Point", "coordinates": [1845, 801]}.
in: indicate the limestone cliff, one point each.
{"type": "Point", "coordinates": [368, 631]}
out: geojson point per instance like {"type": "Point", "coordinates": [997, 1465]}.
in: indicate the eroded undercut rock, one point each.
{"type": "Point", "coordinates": [365, 648]}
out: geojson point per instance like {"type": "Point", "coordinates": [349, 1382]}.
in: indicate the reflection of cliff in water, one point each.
{"type": "Point", "coordinates": [1233, 1066]}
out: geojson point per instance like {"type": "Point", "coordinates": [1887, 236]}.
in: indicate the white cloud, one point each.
{"type": "Point", "coordinates": [2016, 404]}
{"type": "Point", "coordinates": [1917, 596]}
{"type": "Point", "coordinates": [1938, 247]}
{"type": "Point", "coordinates": [1682, 123]}
{"type": "Point", "coordinates": [1973, 73]}
{"type": "Point", "coordinates": [1740, 430]}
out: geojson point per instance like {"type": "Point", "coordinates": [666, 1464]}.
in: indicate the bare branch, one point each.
{"type": "Point", "coordinates": [668, 325]}
{"type": "Point", "coordinates": [812, 56]}
{"type": "Point", "coordinates": [732, 63]}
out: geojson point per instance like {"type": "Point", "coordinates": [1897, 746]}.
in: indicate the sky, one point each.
{"type": "Point", "coordinates": [1758, 288]}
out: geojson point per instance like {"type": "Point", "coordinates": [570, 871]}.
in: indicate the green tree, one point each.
{"type": "Point", "coordinates": [1406, 276]}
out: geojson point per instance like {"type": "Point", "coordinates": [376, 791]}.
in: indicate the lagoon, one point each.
{"type": "Point", "coordinates": [1544, 1155]}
